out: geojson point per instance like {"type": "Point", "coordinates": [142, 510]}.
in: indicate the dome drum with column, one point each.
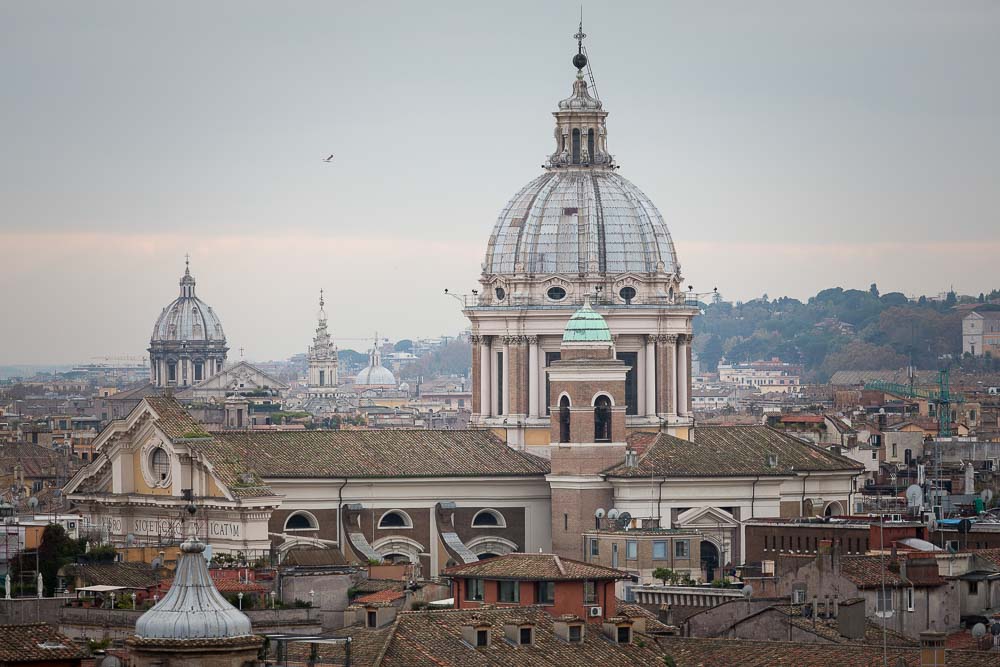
{"type": "Point", "coordinates": [188, 344]}
{"type": "Point", "coordinates": [579, 231]}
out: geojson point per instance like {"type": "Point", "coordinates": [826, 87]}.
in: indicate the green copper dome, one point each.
{"type": "Point", "coordinates": [587, 326]}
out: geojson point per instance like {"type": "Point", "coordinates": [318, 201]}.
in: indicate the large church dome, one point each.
{"type": "Point", "coordinates": [188, 318]}
{"type": "Point", "coordinates": [578, 222]}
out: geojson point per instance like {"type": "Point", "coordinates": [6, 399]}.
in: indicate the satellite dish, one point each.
{"type": "Point", "coordinates": [914, 495]}
{"type": "Point", "coordinates": [978, 630]}
{"type": "Point", "coordinates": [157, 563]}
{"type": "Point", "coordinates": [625, 518]}
{"type": "Point", "coordinates": [32, 502]}
{"type": "Point", "coordinates": [599, 513]}
{"type": "Point", "coordinates": [612, 513]}
{"type": "Point", "coordinates": [747, 591]}
{"type": "Point", "coordinates": [130, 539]}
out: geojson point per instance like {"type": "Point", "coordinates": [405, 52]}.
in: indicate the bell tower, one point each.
{"type": "Point", "coordinates": [322, 358]}
{"type": "Point", "coordinates": [587, 429]}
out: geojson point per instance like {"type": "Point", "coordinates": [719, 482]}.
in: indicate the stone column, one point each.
{"type": "Point", "coordinates": [682, 375]}
{"type": "Point", "coordinates": [650, 376]}
{"type": "Point", "coordinates": [670, 373]}
{"type": "Point", "coordinates": [533, 377]}
{"type": "Point", "coordinates": [485, 377]}
{"type": "Point", "coordinates": [505, 374]}
{"type": "Point", "coordinates": [477, 373]}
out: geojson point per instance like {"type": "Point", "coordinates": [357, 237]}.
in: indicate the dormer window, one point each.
{"type": "Point", "coordinates": [624, 634]}
{"type": "Point", "coordinates": [482, 638]}
{"type": "Point", "coordinates": [527, 636]}
{"type": "Point", "coordinates": [576, 633]}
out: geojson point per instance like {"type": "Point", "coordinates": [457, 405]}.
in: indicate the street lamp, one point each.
{"type": "Point", "coordinates": [272, 599]}
{"type": "Point", "coordinates": [239, 596]}
{"type": "Point", "coordinates": [312, 598]}
{"type": "Point", "coordinates": [113, 600]}
{"type": "Point", "coordinates": [133, 601]}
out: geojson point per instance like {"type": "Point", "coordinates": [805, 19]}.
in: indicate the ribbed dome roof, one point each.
{"type": "Point", "coordinates": [580, 221]}
{"type": "Point", "coordinates": [193, 608]}
{"type": "Point", "coordinates": [188, 318]}
{"type": "Point", "coordinates": [587, 326]}
{"type": "Point", "coordinates": [375, 374]}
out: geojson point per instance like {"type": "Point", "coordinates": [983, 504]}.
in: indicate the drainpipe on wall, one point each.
{"type": "Point", "coordinates": [340, 515]}
{"type": "Point", "coordinates": [802, 503]}
{"type": "Point", "coordinates": [659, 500]}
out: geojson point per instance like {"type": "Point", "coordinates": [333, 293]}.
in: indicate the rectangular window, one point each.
{"type": "Point", "coordinates": [510, 591]}
{"type": "Point", "coordinates": [172, 372]}
{"type": "Point", "coordinates": [372, 619]}
{"type": "Point", "coordinates": [482, 638]}
{"type": "Point", "coordinates": [682, 549]}
{"type": "Point", "coordinates": [575, 633]}
{"type": "Point", "coordinates": [624, 634]}
{"type": "Point", "coordinates": [525, 636]}
{"type": "Point", "coordinates": [893, 450]}
{"type": "Point", "coordinates": [909, 599]}
{"type": "Point", "coordinates": [322, 378]}
{"type": "Point", "coordinates": [973, 588]}
{"type": "Point", "coordinates": [782, 542]}
{"type": "Point", "coordinates": [499, 383]}
{"type": "Point", "coordinates": [874, 455]}
{"type": "Point", "coordinates": [474, 590]}
{"type": "Point", "coordinates": [589, 592]}
{"type": "Point", "coordinates": [659, 550]}
{"type": "Point", "coordinates": [883, 601]}
{"type": "Point", "coordinates": [631, 550]}
{"type": "Point", "coordinates": [595, 547]}
{"type": "Point", "coordinates": [549, 358]}
{"type": "Point", "coordinates": [198, 371]}
{"type": "Point", "coordinates": [631, 360]}
{"type": "Point", "coordinates": [565, 521]}
{"type": "Point", "coordinates": [798, 596]}
{"type": "Point", "coordinates": [546, 592]}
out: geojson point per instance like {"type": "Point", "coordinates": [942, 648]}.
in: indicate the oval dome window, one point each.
{"type": "Point", "coordinates": [500, 293]}
{"type": "Point", "coordinates": [556, 293]}
{"type": "Point", "coordinates": [627, 294]}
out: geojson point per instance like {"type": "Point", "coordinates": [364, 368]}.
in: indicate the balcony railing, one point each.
{"type": "Point", "coordinates": [575, 301]}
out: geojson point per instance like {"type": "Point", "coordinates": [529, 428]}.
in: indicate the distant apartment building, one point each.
{"type": "Point", "coordinates": [981, 333]}
{"type": "Point", "coordinates": [767, 376]}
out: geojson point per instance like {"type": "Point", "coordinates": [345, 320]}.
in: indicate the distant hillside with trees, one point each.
{"type": "Point", "coordinates": [837, 329]}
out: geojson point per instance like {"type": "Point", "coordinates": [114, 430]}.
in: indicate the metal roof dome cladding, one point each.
{"type": "Point", "coordinates": [188, 318]}
{"type": "Point", "coordinates": [587, 326]}
{"type": "Point", "coordinates": [569, 221]}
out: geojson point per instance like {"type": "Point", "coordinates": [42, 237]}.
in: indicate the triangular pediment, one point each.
{"type": "Point", "coordinates": [705, 516]}
{"type": "Point", "coordinates": [243, 376]}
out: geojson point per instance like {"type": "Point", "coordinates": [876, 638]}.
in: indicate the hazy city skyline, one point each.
{"type": "Point", "coordinates": [789, 146]}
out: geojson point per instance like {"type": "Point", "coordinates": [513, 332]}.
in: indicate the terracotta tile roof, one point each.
{"type": "Point", "coordinates": [829, 629]}
{"type": "Point", "coordinates": [173, 420]}
{"type": "Point", "coordinates": [801, 419]}
{"type": "Point", "coordinates": [387, 595]}
{"type": "Point", "coordinates": [726, 451]}
{"type": "Point", "coordinates": [36, 642]}
{"type": "Point", "coordinates": [691, 652]}
{"type": "Point", "coordinates": [367, 646]}
{"type": "Point", "coordinates": [313, 557]}
{"type": "Point", "coordinates": [373, 585]}
{"type": "Point", "coordinates": [36, 461]}
{"type": "Point", "coordinates": [534, 567]}
{"type": "Point", "coordinates": [434, 639]}
{"type": "Point", "coordinates": [373, 454]}
{"type": "Point", "coordinates": [991, 555]}
{"type": "Point", "coordinates": [128, 575]}
{"type": "Point", "coordinates": [653, 623]}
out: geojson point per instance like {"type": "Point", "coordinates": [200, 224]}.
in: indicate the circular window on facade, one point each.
{"type": "Point", "coordinates": [500, 293]}
{"type": "Point", "coordinates": [556, 293]}
{"type": "Point", "coordinates": [159, 464]}
{"type": "Point", "coordinates": [627, 294]}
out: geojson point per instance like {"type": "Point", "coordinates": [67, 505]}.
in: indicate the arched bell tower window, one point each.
{"type": "Point", "coordinates": [576, 146]}
{"type": "Point", "coordinates": [590, 145]}
{"type": "Point", "coordinates": [564, 419]}
{"type": "Point", "coordinates": [602, 419]}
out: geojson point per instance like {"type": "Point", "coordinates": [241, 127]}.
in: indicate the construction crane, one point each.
{"type": "Point", "coordinates": [941, 398]}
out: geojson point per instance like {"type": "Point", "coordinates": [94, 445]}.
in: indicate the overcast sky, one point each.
{"type": "Point", "coordinates": [790, 146]}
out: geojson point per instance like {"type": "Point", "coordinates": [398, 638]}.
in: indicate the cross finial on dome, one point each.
{"type": "Point", "coordinates": [187, 264]}
{"type": "Point", "coordinates": [580, 60]}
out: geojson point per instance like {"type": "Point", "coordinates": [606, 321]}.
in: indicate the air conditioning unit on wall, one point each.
{"type": "Point", "coordinates": [595, 611]}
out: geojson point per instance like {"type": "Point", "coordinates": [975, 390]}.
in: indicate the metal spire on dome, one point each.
{"type": "Point", "coordinates": [321, 316]}
{"type": "Point", "coordinates": [580, 60]}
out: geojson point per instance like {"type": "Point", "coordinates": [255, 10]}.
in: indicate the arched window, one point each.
{"type": "Point", "coordinates": [159, 462]}
{"type": "Point", "coordinates": [564, 419]}
{"type": "Point", "coordinates": [576, 146]}
{"type": "Point", "coordinates": [395, 519]}
{"type": "Point", "coordinates": [602, 419]}
{"type": "Point", "coordinates": [590, 145]}
{"type": "Point", "coordinates": [488, 518]}
{"type": "Point", "coordinates": [301, 521]}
